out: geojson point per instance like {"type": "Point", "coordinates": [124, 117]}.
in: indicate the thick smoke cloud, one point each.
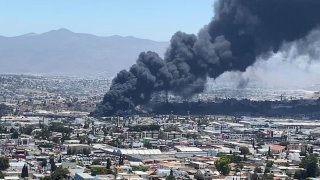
{"type": "Point", "coordinates": [240, 32]}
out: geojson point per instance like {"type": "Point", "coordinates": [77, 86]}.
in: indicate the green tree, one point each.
{"type": "Point", "coordinates": [86, 151]}
{"type": "Point", "coordinates": [255, 176]}
{"type": "Point", "coordinates": [96, 162]}
{"type": "Point", "coordinates": [269, 164]}
{"type": "Point", "coordinates": [108, 163]}
{"type": "Point", "coordinates": [24, 173]}
{"type": "Point", "coordinates": [148, 145]}
{"type": "Point", "coordinates": [258, 170]}
{"type": "Point", "coordinates": [59, 127]}
{"type": "Point", "coordinates": [171, 176]}
{"type": "Point", "coordinates": [303, 153]}
{"type": "Point", "coordinates": [4, 163]}
{"type": "Point", "coordinates": [59, 174]}
{"type": "Point", "coordinates": [1, 175]}
{"type": "Point", "coordinates": [47, 178]}
{"type": "Point", "coordinates": [100, 171]}
{"type": "Point", "coordinates": [15, 134]}
{"type": "Point", "coordinates": [121, 158]}
{"type": "Point", "coordinates": [4, 110]}
{"type": "Point", "coordinates": [27, 130]}
{"type": "Point", "coordinates": [140, 168]}
{"type": "Point", "coordinates": [52, 164]}
{"type": "Point", "coordinates": [266, 170]}
{"type": "Point", "coordinates": [269, 152]}
{"type": "Point", "coordinates": [267, 177]}
{"type": "Point", "coordinates": [192, 136]}
{"type": "Point", "coordinates": [44, 134]}
{"type": "Point", "coordinates": [301, 175]}
{"type": "Point", "coordinates": [310, 164]}
{"type": "Point", "coordinates": [310, 150]}
{"type": "Point", "coordinates": [44, 163]}
{"type": "Point", "coordinates": [235, 158]}
{"type": "Point", "coordinates": [69, 151]}
{"type": "Point", "coordinates": [222, 165]}
{"type": "Point", "coordinates": [244, 151]}
{"type": "Point", "coordinates": [65, 136]}
{"type": "Point", "coordinates": [60, 160]}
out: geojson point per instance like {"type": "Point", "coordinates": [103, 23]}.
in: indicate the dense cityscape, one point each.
{"type": "Point", "coordinates": [52, 135]}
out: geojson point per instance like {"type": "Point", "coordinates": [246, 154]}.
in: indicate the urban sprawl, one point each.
{"type": "Point", "coordinates": [47, 133]}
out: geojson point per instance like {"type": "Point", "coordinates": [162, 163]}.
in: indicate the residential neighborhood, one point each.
{"type": "Point", "coordinates": [158, 147]}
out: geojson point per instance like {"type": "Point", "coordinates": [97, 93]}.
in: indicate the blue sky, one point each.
{"type": "Point", "coordinates": [150, 19]}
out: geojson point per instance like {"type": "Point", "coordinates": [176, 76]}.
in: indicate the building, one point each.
{"type": "Point", "coordinates": [204, 174]}
{"type": "Point", "coordinates": [83, 176]}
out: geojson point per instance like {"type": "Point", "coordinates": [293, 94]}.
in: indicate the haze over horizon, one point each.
{"type": "Point", "coordinates": [148, 22]}
{"type": "Point", "coordinates": [142, 19]}
{"type": "Point", "coordinates": [283, 66]}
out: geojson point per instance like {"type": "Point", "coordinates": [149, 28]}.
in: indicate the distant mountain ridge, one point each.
{"type": "Point", "coordinates": [63, 52]}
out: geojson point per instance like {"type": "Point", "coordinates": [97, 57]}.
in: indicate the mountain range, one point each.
{"type": "Point", "coordinates": [66, 53]}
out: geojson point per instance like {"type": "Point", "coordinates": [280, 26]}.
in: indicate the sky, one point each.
{"type": "Point", "coordinates": [148, 19]}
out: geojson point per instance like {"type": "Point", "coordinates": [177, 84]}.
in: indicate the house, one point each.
{"type": "Point", "coordinates": [277, 149]}
{"type": "Point", "coordinates": [83, 176]}
{"type": "Point", "coordinates": [204, 174]}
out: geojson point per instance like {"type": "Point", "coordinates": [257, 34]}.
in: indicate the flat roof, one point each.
{"type": "Point", "coordinates": [188, 149]}
{"type": "Point", "coordinates": [139, 151]}
{"type": "Point", "coordinates": [84, 175]}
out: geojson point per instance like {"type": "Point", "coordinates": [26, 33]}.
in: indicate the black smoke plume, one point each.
{"type": "Point", "coordinates": [240, 31]}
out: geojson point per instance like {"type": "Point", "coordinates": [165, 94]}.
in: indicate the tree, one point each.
{"type": "Point", "coordinates": [52, 164]}
{"type": "Point", "coordinates": [222, 165]}
{"type": "Point", "coordinates": [253, 144]}
{"type": "Point", "coordinates": [269, 152]}
{"type": "Point", "coordinates": [192, 136]}
{"type": "Point", "coordinates": [15, 134]}
{"type": "Point", "coordinates": [59, 127]}
{"type": "Point", "coordinates": [44, 163]}
{"type": "Point", "coordinates": [4, 163]}
{"type": "Point", "coordinates": [47, 178]}
{"type": "Point", "coordinates": [121, 158]}
{"type": "Point", "coordinates": [309, 163]}
{"type": "Point", "coordinates": [303, 153]}
{"type": "Point", "coordinates": [44, 134]}
{"type": "Point", "coordinates": [65, 136]}
{"type": "Point", "coordinates": [27, 130]}
{"type": "Point", "coordinates": [100, 171]}
{"type": "Point", "coordinates": [1, 175]}
{"type": "Point", "coordinates": [310, 150]}
{"type": "Point", "coordinates": [254, 176]}
{"type": "Point", "coordinates": [267, 177]}
{"type": "Point", "coordinates": [96, 162]}
{"type": "Point", "coordinates": [24, 172]}
{"type": "Point", "coordinates": [244, 151]}
{"type": "Point", "coordinates": [60, 160]}
{"type": "Point", "coordinates": [300, 175]}
{"type": "Point", "coordinates": [171, 176]}
{"type": "Point", "coordinates": [269, 164]}
{"type": "Point", "coordinates": [4, 110]}
{"type": "Point", "coordinates": [60, 173]}
{"type": "Point", "coordinates": [235, 158]}
{"type": "Point", "coordinates": [108, 163]}
{"type": "Point", "coordinates": [69, 151]}
{"type": "Point", "coordinates": [140, 168]}
{"type": "Point", "coordinates": [148, 145]}
{"type": "Point", "coordinates": [86, 151]}
{"type": "Point", "coordinates": [258, 170]}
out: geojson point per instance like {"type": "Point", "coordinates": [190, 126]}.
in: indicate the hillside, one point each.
{"type": "Point", "coordinates": [63, 52]}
